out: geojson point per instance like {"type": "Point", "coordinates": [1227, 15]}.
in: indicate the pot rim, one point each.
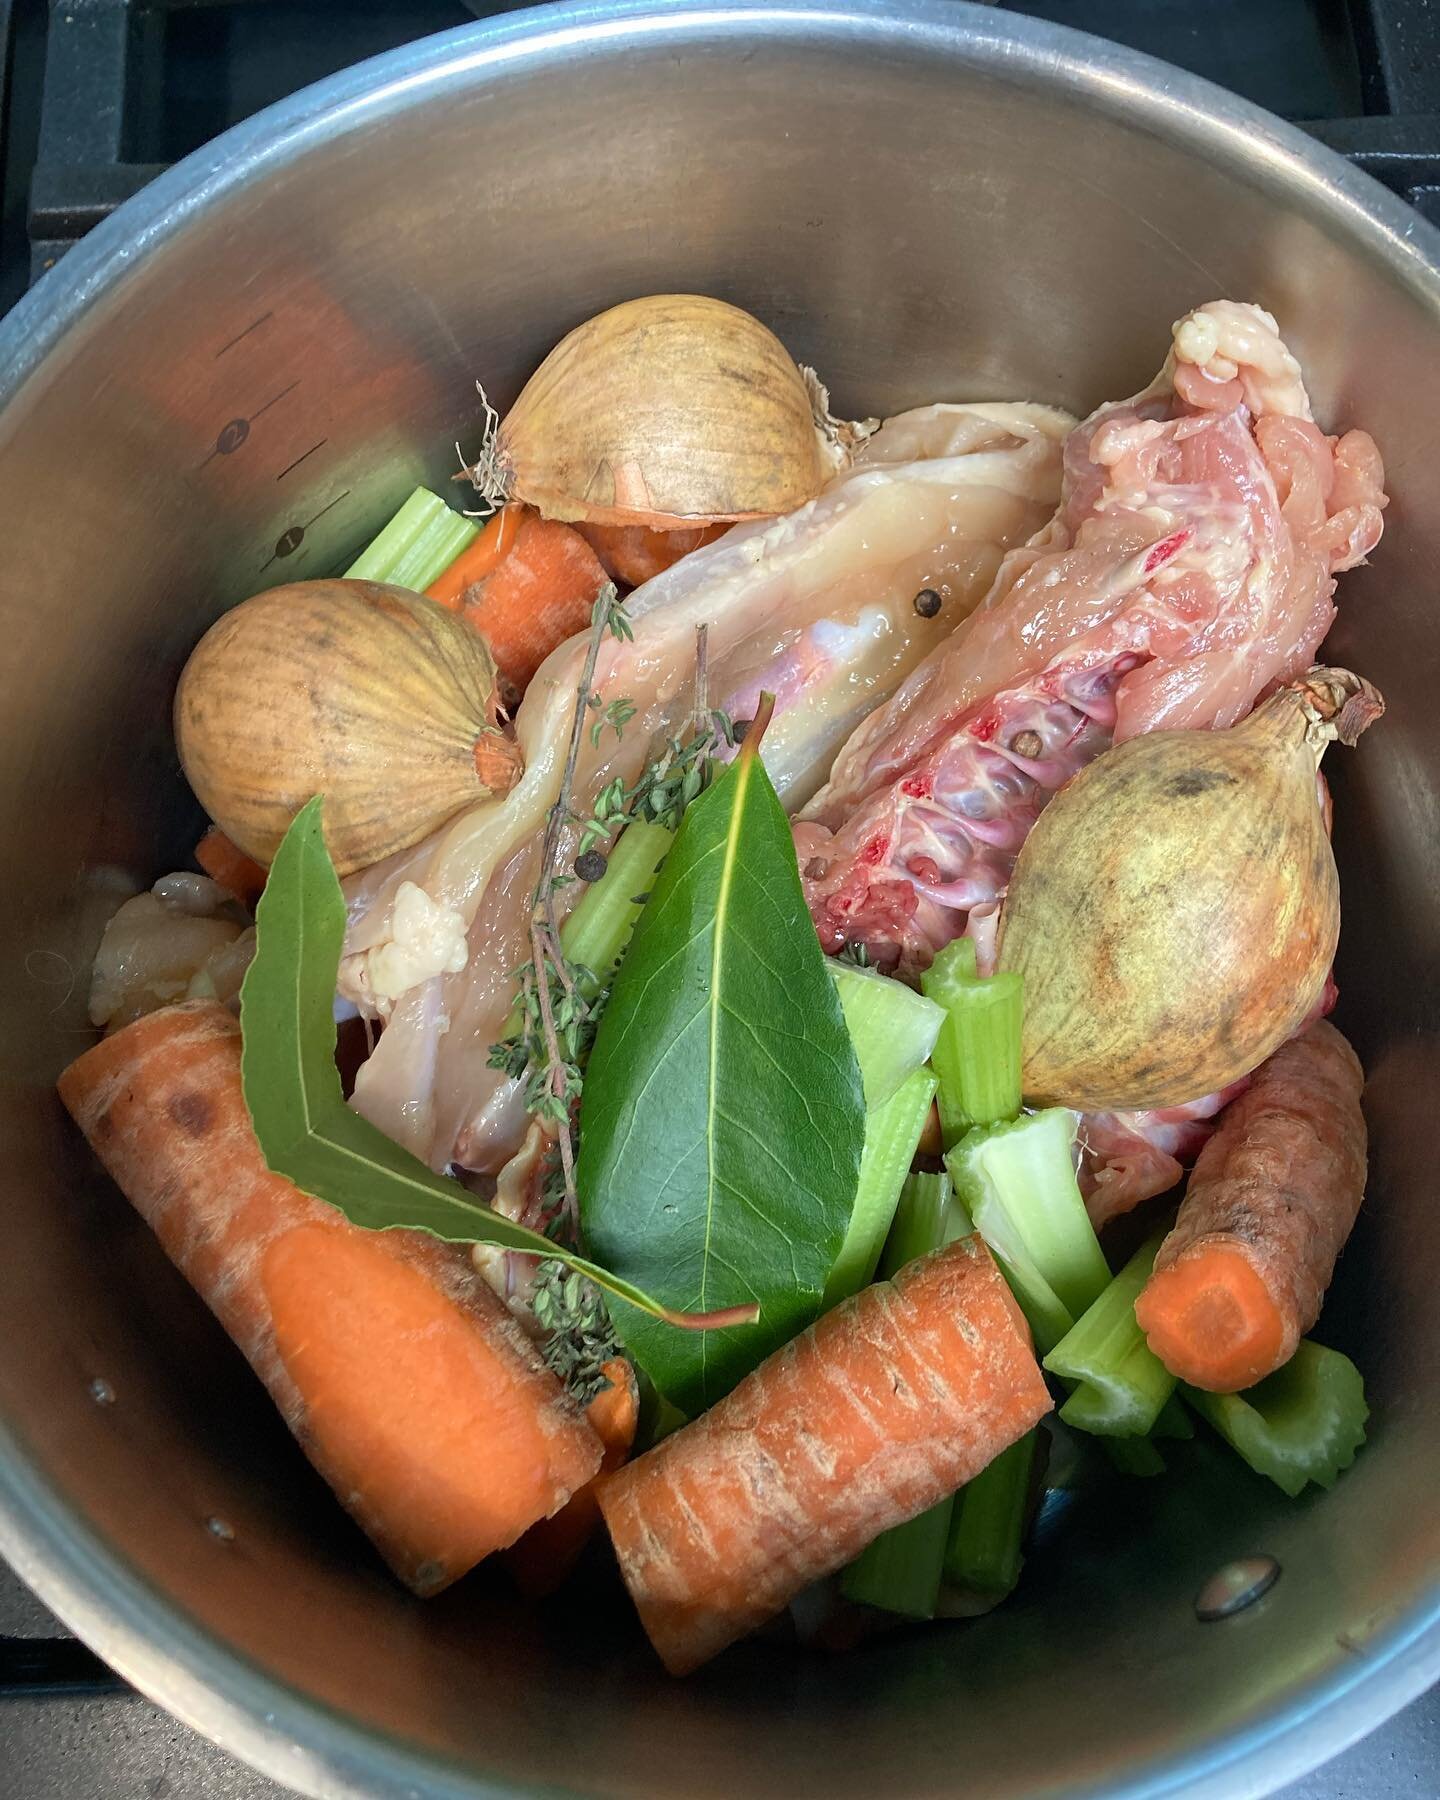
{"type": "Point", "coordinates": [86, 1579]}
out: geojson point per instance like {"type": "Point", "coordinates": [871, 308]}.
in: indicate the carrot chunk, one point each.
{"type": "Point", "coordinates": [1269, 1206]}
{"type": "Point", "coordinates": [481, 557]}
{"type": "Point", "coordinates": [549, 1551]}
{"type": "Point", "coordinates": [406, 1381]}
{"type": "Point", "coordinates": [633, 554]}
{"type": "Point", "coordinates": [881, 1409]}
{"type": "Point", "coordinates": [537, 596]}
{"type": "Point", "coordinates": [228, 864]}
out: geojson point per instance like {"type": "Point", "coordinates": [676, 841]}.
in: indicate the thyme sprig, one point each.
{"type": "Point", "coordinates": [581, 1339]}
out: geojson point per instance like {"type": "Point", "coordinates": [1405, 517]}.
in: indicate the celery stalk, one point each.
{"type": "Point", "coordinates": [597, 933]}
{"type": "Point", "coordinates": [1134, 1455]}
{"type": "Point", "coordinates": [1122, 1383]}
{"type": "Point", "coordinates": [988, 1523]}
{"type": "Point", "coordinates": [927, 1216]}
{"type": "Point", "coordinates": [1303, 1423]}
{"type": "Point", "coordinates": [1018, 1183]}
{"type": "Point", "coordinates": [900, 1571]}
{"type": "Point", "coordinates": [892, 1131]}
{"type": "Point", "coordinates": [892, 1027]}
{"type": "Point", "coordinates": [977, 1054]}
{"type": "Point", "coordinates": [417, 546]}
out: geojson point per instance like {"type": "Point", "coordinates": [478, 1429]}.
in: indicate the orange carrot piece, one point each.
{"type": "Point", "coordinates": [228, 864]}
{"type": "Point", "coordinates": [550, 1550]}
{"type": "Point", "coordinates": [882, 1408]}
{"type": "Point", "coordinates": [1270, 1204]}
{"type": "Point", "coordinates": [541, 594]}
{"type": "Point", "coordinates": [633, 554]}
{"type": "Point", "coordinates": [408, 1384]}
{"type": "Point", "coordinates": [480, 557]}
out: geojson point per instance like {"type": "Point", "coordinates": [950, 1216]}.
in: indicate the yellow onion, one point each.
{"type": "Point", "coordinates": [1175, 909]}
{"type": "Point", "coordinates": [376, 698]}
{"type": "Point", "coordinates": [667, 411]}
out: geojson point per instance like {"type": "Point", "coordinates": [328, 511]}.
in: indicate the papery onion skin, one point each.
{"type": "Point", "coordinates": [1175, 909]}
{"type": "Point", "coordinates": [375, 697]}
{"type": "Point", "coordinates": [671, 410]}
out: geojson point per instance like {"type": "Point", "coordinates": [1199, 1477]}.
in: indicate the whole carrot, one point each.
{"type": "Point", "coordinates": [1270, 1204]}
{"type": "Point", "coordinates": [410, 1387]}
{"type": "Point", "coordinates": [881, 1409]}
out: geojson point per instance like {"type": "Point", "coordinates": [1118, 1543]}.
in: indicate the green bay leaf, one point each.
{"type": "Point", "coordinates": [723, 1116]}
{"type": "Point", "coordinates": [292, 1088]}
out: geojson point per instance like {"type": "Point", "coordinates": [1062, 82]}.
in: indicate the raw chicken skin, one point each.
{"type": "Point", "coordinates": [817, 607]}
{"type": "Point", "coordinates": [1190, 567]}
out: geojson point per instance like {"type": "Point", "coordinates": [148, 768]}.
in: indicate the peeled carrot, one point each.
{"type": "Point", "coordinates": [633, 554]}
{"type": "Point", "coordinates": [228, 864]}
{"type": "Point", "coordinates": [480, 557]}
{"type": "Point", "coordinates": [549, 1551]}
{"type": "Point", "coordinates": [1270, 1204]}
{"type": "Point", "coordinates": [410, 1387]}
{"type": "Point", "coordinates": [541, 593]}
{"type": "Point", "coordinates": [880, 1410]}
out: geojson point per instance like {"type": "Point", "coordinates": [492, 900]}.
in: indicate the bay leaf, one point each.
{"type": "Point", "coordinates": [292, 1087]}
{"type": "Point", "coordinates": [723, 1116]}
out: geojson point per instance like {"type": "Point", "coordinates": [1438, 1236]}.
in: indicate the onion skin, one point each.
{"type": "Point", "coordinates": [1175, 909]}
{"type": "Point", "coordinates": [667, 411]}
{"type": "Point", "coordinates": [379, 699]}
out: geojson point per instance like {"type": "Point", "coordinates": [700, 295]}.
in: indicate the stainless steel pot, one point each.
{"type": "Point", "coordinates": [229, 384]}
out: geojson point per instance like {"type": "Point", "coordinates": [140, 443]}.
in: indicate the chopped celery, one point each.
{"type": "Point", "coordinates": [900, 1571]}
{"type": "Point", "coordinates": [1303, 1423]}
{"type": "Point", "coordinates": [977, 1054]}
{"type": "Point", "coordinates": [1018, 1182]}
{"type": "Point", "coordinates": [988, 1523]}
{"type": "Point", "coordinates": [1122, 1383]}
{"type": "Point", "coordinates": [927, 1216]}
{"type": "Point", "coordinates": [892, 1027]}
{"type": "Point", "coordinates": [892, 1131]}
{"type": "Point", "coordinates": [418, 545]}
{"type": "Point", "coordinates": [596, 934]}
{"type": "Point", "coordinates": [1134, 1455]}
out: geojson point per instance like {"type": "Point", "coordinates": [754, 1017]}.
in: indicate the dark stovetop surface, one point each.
{"type": "Point", "coordinates": [99, 95]}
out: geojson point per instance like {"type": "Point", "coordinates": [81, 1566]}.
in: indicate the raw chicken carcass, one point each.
{"type": "Point", "coordinates": [1189, 568]}
{"type": "Point", "coordinates": [817, 607]}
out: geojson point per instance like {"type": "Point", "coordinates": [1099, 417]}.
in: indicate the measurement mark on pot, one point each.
{"type": "Point", "coordinates": [233, 433]}
{"type": "Point", "coordinates": [293, 536]}
{"type": "Point", "coordinates": [254, 325]}
{"type": "Point", "coordinates": [301, 458]}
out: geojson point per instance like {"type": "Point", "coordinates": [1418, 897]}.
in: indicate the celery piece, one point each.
{"type": "Point", "coordinates": [892, 1027]}
{"type": "Point", "coordinates": [1173, 1422]}
{"type": "Point", "coordinates": [1122, 1383]}
{"type": "Point", "coordinates": [892, 1131]}
{"type": "Point", "coordinates": [988, 1523]}
{"type": "Point", "coordinates": [1134, 1456]}
{"type": "Point", "coordinates": [597, 933]}
{"type": "Point", "coordinates": [417, 546]}
{"type": "Point", "coordinates": [1303, 1423]}
{"type": "Point", "coordinates": [900, 1571]}
{"type": "Point", "coordinates": [927, 1216]}
{"type": "Point", "coordinates": [1018, 1183]}
{"type": "Point", "coordinates": [977, 1054]}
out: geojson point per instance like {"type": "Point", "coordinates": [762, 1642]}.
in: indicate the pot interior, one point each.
{"type": "Point", "coordinates": [932, 205]}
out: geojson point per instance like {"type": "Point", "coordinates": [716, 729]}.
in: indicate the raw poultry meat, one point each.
{"type": "Point", "coordinates": [818, 607]}
{"type": "Point", "coordinates": [1190, 566]}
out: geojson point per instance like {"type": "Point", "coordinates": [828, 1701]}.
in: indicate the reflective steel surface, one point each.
{"type": "Point", "coordinates": [229, 384]}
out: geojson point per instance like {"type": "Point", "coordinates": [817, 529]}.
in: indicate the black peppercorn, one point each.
{"type": "Point", "coordinates": [739, 728]}
{"type": "Point", "coordinates": [928, 603]}
{"type": "Point", "coordinates": [591, 866]}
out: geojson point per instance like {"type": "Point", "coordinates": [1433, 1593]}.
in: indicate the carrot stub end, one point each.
{"type": "Point", "coordinates": [1212, 1320]}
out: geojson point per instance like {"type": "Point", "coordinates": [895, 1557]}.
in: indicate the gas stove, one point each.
{"type": "Point", "coordinates": [99, 96]}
